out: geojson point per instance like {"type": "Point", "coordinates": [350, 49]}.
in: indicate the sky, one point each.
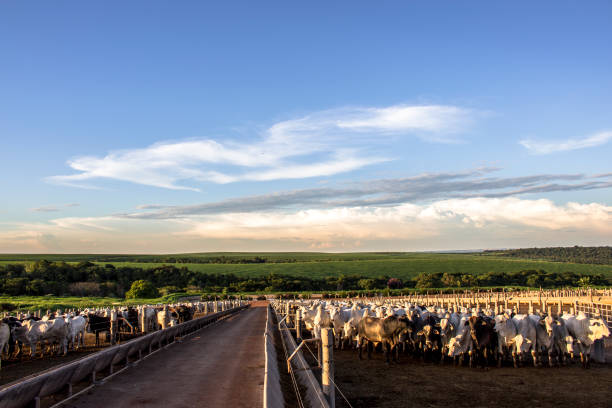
{"type": "Point", "coordinates": [173, 127]}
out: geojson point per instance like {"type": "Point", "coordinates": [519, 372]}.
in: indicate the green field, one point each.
{"type": "Point", "coordinates": [404, 266]}
{"type": "Point", "coordinates": [43, 303]}
{"type": "Point", "coordinates": [320, 265]}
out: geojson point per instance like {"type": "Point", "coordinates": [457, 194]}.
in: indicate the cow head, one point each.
{"type": "Point", "coordinates": [430, 335]}
{"type": "Point", "coordinates": [547, 324]}
{"type": "Point", "coordinates": [598, 328]}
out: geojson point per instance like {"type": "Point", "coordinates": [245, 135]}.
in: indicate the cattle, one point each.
{"type": "Point", "coordinates": [545, 340]}
{"type": "Point", "coordinates": [98, 324]}
{"type": "Point", "coordinates": [585, 331]}
{"type": "Point", "coordinates": [448, 329]}
{"type": "Point", "coordinates": [428, 337]}
{"type": "Point", "coordinates": [308, 316]}
{"type": "Point", "coordinates": [507, 331]}
{"type": "Point", "coordinates": [321, 320]}
{"type": "Point", "coordinates": [165, 318]}
{"type": "Point", "coordinates": [526, 338]}
{"type": "Point", "coordinates": [50, 331]}
{"type": "Point", "coordinates": [129, 318]}
{"type": "Point", "coordinates": [484, 338]}
{"type": "Point", "coordinates": [184, 313]}
{"type": "Point", "coordinates": [384, 331]}
{"type": "Point", "coordinates": [5, 336]}
{"type": "Point", "coordinates": [339, 318]}
{"type": "Point", "coordinates": [461, 344]}
{"type": "Point", "coordinates": [564, 343]}
{"type": "Point", "coordinates": [147, 318]}
{"type": "Point", "coordinates": [76, 335]}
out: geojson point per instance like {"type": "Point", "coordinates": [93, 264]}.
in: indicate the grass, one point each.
{"type": "Point", "coordinates": [320, 265]}
{"type": "Point", "coordinates": [43, 303]}
{"type": "Point", "coordinates": [315, 265]}
{"type": "Point", "coordinates": [404, 267]}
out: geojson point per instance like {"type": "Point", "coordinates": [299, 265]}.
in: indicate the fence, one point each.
{"type": "Point", "coordinates": [552, 301]}
{"type": "Point", "coordinates": [300, 368]}
{"type": "Point", "coordinates": [61, 379]}
{"type": "Point", "coordinates": [272, 395]}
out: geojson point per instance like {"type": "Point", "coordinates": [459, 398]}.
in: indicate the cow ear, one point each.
{"type": "Point", "coordinates": [420, 333]}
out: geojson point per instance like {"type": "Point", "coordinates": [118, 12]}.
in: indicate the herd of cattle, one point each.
{"type": "Point", "coordinates": [63, 331]}
{"type": "Point", "coordinates": [480, 336]}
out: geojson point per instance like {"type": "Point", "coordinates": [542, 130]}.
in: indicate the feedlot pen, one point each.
{"type": "Point", "coordinates": [412, 383]}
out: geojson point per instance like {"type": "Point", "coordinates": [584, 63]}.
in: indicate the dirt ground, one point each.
{"type": "Point", "coordinates": [412, 383]}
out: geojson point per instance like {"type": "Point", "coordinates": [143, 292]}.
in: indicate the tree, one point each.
{"type": "Point", "coordinates": [585, 282]}
{"type": "Point", "coordinates": [449, 279]}
{"type": "Point", "coordinates": [428, 280]}
{"type": "Point", "coordinates": [367, 284]}
{"type": "Point", "coordinates": [394, 283]}
{"type": "Point", "coordinates": [142, 289]}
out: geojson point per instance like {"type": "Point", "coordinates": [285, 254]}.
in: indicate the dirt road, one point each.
{"type": "Point", "coordinates": [220, 366]}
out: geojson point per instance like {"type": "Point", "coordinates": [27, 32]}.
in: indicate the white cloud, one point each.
{"type": "Point", "coordinates": [407, 220]}
{"type": "Point", "coordinates": [553, 146]}
{"type": "Point", "coordinates": [439, 119]}
{"type": "Point", "coordinates": [321, 144]}
{"type": "Point", "coordinates": [445, 224]}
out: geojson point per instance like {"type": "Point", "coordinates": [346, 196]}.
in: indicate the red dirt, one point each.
{"type": "Point", "coordinates": [220, 366]}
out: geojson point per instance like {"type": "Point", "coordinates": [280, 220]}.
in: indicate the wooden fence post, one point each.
{"type": "Point", "coordinates": [327, 377]}
{"type": "Point", "coordinates": [298, 325]}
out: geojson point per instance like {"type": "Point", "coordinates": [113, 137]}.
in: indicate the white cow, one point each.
{"type": "Point", "coordinates": [56, 331]}
{"type": "Point", "coordinates": [462, 342]}
{"type": "Point", "coordinates": [338, 318]}
{"type": "Point", "coordinates": [448, 329]}
{"type": "Point", "coordinates": [564, 343]}
{"type": "Point", "coordinates": [165, 318]}
{"type": "Point", "coordinates": [585, 330]}
{"type": "Point", "coordinates": [76, 335]}
{"type": "Point", "coordinates": [545, 336]}
{"type": "Point", "coordinates": [50, 331]}
{"type": "Point", "coordinates": [147, 316]}
{"type": "Point", "coordinates": [5, 335]}
{"type": "Point", "coordinates": [321, 320]}
{"type": "Point", "coordinates": [526, 338]}
{"type": "Point", "coordinates": [507, 331]}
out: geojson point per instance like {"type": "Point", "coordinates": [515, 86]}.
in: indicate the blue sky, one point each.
{"type": "Point", "coordinates": [163, 127]}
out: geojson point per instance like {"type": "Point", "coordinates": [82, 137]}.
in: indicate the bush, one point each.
{"type": "Point", "coordinates": [166, 290]}
{"type": "Point", "coordinates": [394, 283]}
{"type": "Point", "coordinates": [142, 289]}
{"type": "Point", "coordinates": [84, 289]}
{"type": "Point", "coordinates": [7, 307]}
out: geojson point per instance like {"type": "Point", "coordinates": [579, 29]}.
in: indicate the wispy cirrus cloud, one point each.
{"type": "Point", "coordinates": [386, 192]}
{"type": "Point", "coordinates": [53, 208]}
{"type": "Point", "coordinates": [553, 146]}
{"type": "Point", "coordinates": [320, 144]}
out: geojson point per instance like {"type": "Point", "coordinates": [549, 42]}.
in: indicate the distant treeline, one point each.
{"type": "Point", "coordinates": [89, 279]}
{"type": "Point", "coordinates": [576, 254]}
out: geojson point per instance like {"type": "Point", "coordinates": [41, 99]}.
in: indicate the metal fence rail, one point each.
{"type": "Point", "coordinates": [272, 395]}
{"type": "Point", "coordinates": [314, 392]}
{"type": "Point", "coordinates": [29, 391]}
{"type": "Point", "coordinates": [603, 310]}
